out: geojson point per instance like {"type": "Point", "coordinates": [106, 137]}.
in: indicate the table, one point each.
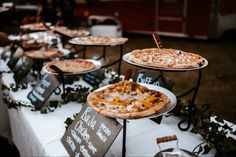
{"type": "Point", "coordinates": [38, 134]}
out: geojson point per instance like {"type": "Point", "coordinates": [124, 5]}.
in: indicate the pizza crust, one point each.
{"type": "Point", "coordinates": [135, 104]}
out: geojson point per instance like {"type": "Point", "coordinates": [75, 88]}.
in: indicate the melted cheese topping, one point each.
{"type": "Point", "coordinates": [127, 98]}
{"type": "Point", "coordinates": [169, 57]}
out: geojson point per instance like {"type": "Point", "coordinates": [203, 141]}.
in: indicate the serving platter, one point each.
{"type": "Point", "coordinates": [127, 59]}
{"type": "Point", "coordinates": [97, 64]}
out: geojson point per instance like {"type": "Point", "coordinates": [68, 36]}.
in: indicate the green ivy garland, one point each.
{"type": "Point", "coordinates": [215, 133]}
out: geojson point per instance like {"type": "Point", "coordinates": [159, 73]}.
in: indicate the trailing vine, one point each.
{"type": "Point", "coordinates": [216, 133]}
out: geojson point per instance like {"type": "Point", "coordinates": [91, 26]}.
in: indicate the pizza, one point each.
{"type": "Point", "coordinates": [166, 58]}
{"type": "Point", "coordinates": [33, 44]}
{"type": "Point", "coordinates": [44, 54]}
{"type": "Point", "coordinates": [127, 100]}
{"type": "Point", "coordinates": [34, 26]}
{"type": "Point", "coordinates": [71, 33]}
{"type": "Point", "coordinates": [99, 40]}
{"type": "Point", "coordinates": [71, 65]}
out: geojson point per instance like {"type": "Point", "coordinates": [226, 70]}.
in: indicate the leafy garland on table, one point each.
{"type": "Point", "coordinates": [78, 94]}
{"type": "Point", "coordinates": [215, 133]}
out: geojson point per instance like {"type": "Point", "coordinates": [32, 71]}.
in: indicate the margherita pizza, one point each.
{"type": "Point", "coordinates": [127, 100]}
{"type": "Point", "coordinates": [44, 54]}
{"type": "Point", "coordinates": [166, 58]}
{"type": "Point", "coordinates": [71, 65]}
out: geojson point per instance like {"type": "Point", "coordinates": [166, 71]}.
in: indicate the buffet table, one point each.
{"type": "Point", "coordinates": [37, 134]}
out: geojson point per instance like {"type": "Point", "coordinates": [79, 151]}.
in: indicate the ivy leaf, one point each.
{"type": "Point", "coordinates": [226, 127]}
{"type": "Point", "coordinates": [219, 119]}
{"type": "Point", "coordinates": [199, 150]}
{"type": "Point", "coordinates": [68, 122]}
{"type": "Point", "coordinates": [233, 132]}
{"type": "Point", "coordinates": [206, 149]}
{"type": "Point", "coordinates": [54, 103]}
{"type": "Point", "coordinates": [195, 130]}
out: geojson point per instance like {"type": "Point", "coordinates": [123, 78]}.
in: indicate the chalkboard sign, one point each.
{"type": "Point", "coordinates": [15, 57]}
{"type": "Point", "coordinates": [22, 70]}
{"type": "Point", "coordinates": [153, 78]}
{"type": "Point", "coordinates": [91, 134]}
{"type": "Point", "coordinates": [43, 90]}
{"type": "Point", "coordinates": [94, 78]}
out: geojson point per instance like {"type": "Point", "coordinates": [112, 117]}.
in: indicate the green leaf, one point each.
{"type": "Point", "coordinates": [206, 149]}
{"type": "Point", "coordinates": [199, 150]}
{"type": "Point", "coordinates": [226, 127]}
{"type": "Point", "coordinates": [219, 119]}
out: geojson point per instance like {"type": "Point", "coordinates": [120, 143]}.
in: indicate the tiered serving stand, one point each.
{"type": "Point", "coordinates": [62, 74]}
{"type": "Point", "coordinates": [78, 41]}
{"type": "Point", "coordinates": [194, 89]}
{"type": "Point", "coordinates": [171, 104]}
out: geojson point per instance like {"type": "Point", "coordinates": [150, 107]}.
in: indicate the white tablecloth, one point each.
{"type": "Point", "coordinates": [37, 134]}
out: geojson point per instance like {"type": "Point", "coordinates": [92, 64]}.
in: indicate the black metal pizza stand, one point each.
{"type": "Point", "coordinates": [194, 89]}
{"type": "Point", "coordinates": [103, 56]}
{"type": "Point", "coordinates": [62, 74]}
{"type": "Point", "coordinates": [125, 126]}
{"type": "Point", "coordinates": [170, 105]}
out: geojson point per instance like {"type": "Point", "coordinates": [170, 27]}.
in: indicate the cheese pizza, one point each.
{"type": "Point", "coordinates": [166, 58]}
{"type": "Point", "coordinates": [44, 54]}
{"type": "Point", "coordinates": [71, 65]}
{"type": "Point", "coordinates": [99, 40]}
{"type": "Point", "coordinates": [70, 33]}
{"type": "Point", "coordinates": [127, 100]}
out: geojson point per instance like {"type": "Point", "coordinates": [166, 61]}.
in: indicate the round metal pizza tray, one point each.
{"type": "Point", "coordinates": [127, 56]}
{"type": "Point", "coordinates": [77, 41]}
{"type": "Point", "coordinates": [65, 51]}
{"type": "Point", "coordinates": [97, 64]}
{"type": "Point", "coordinates": [172, 98]}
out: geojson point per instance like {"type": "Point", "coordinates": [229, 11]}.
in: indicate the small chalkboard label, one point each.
{"type": "Point", "coordinates": [147, 78]}
{"type": "Point", "coordinates": [22, 69]}
{"type": "Point", "coordinates": [91, 134]}
{"type": "Point", "coordinates": [94, 78]}
{"type": "Point", "coordinates": [15, 57]}
{"type": "Point", "coordinates": [153, 78]}
{"type": "Point", "coordinates": [43, 90]}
